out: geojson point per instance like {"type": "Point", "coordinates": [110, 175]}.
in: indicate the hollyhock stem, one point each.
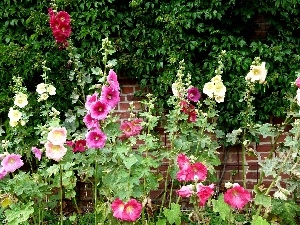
{"type": "Point", "coordinates": [95, 190]}
{"type": "Point", "coordinates": [244, 163]}
{"type": "Point", "coordinates": [61, 196]}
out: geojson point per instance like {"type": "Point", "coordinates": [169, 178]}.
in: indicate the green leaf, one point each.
{"type": "Point", "coordinates": [129, 161]}
{"type": "Point", "coordinates": [161, 222]}
{"type": "Point", "coordinates": [221, 207]}
{"type": "Point", "coordinates": [261, 199]}
{"type": "Point", "coordinates": [173, 215]}
{"type": "Point", "coordinates": [259, 221]}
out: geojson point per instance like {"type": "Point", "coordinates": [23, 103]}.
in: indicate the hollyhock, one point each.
{"type": "Point", "coordinates": [37, 153]}
{"type": "Point", "coordinates": [57, 136]}
{"type": "Point", "coordinates": [297, 82]}
{"type": "Point", "coordinates": [64, 30]}
{"type": "Point", "coordinates": [192, 116]}
{"type": "Point", "coordinates": [63, 17]}
{"type": "Point", "coordinates": [112, 79]}
{"type": "Point", "coordinates": [219, 99]}
{"type": "Point", "coordinates": [185, 175]}
{"type": "Point", "coordinates": [137, 127]}
{"type": "Point", "coordinates": [80, 146]}
{"type": "Point", "coordinates": [185, 191]}
{"type": "Point", "coordinates": [175, 89]}
{"type": "Point", "coordinates": [99, 110]}
{"type": "Point", "coordinates": [199, 170]}
{"type": "Point", "coordinates": [193, 94]}
{"type": "Point", "coordinates": [41, 88]}
{"type": "Point", "coordinates": [183, 162]}
{"type": "Point", "coordinates": [204, 192]}
{"type": "Point", "coordinates": [55, 152]}
{"type": "Point", "coordinates": [21, 100]}
{"type": "Point", "coordinates": [129, 211]}
{"type": "Point", "coordinates": [90, 99]}
{"type": "Point", "coordinates": [110, 96]}
{"type": "Point", "coordinates": [14, 115]}
{"type": "Point", "coordinates": [70, 143]}
{"type": "Point", "coordinates": [127, 128]}
{"type": "Point", "coordinates": [257, 73]}
{"type": "Point", "coordinates": [209, 89]}
{"type": "Point", "coordinates": [3, 173]}
{"type": "Point", "coordinates": [12, 162]}
{"type": "Point", "coordinates": [51, 89]}
{"type": "Point", "coordinates": [90, 122]}
{"type": "Point", "coordinates": [95, 139]}
{"type": "Point", "coordinates": [220, 89]}
{"type": "Point", "coordinates": [216, 79]}
{"type": "Point", "coordinates": [184, 106]}
{"type": "Point", "coordinates": [237, 197]}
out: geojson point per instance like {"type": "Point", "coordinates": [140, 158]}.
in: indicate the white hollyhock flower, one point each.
{"type": "Point", "coordinates": [21, 100]}
{"type": "Point", "coordinates": [257, 73]}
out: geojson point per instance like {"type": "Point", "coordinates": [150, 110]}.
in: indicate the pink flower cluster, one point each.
{"type": "Point", "coordinates": [193, 172]}
{"type": "Point", "coordinates": [131, 128]}
{"type": "Point", "coordinates": [60, 26]}
{"type": "Point", "coordinates": [237, 197]}
{"type": "Point", "coordinates": [10, 163]}
{"type": "Point", "coordinates": [55, 148]}
{"type": "Point", "coordinates": [190, 171]}
{"type": "Point", "coordinates": [98, 109]}
{"type": "Point", "coordinates": [129, 211]}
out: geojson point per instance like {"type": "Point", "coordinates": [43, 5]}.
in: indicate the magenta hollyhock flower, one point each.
{"type": "Point", "coordinates": [199, 171]}
{"type": "Point", "coordinates": [297, 82]}
{"type": "Point", "coordinates": [57, 136]}
{"type": "Point", "coordinates": [90, 99]}
{"type": "Point", "coordinates": [63, 17]}
{"type": "Point", "coordinates": [70, 143]}
{"type": "Point", "coordinates": [185, 191]}
{"type": "Point", "coordinates": [110, 96]}
{"type": "Point", "coordinates": [237, 197]}
{"type": "Point", "coordinates": [80, 146]}
{"type": "Point", "coordinates": [183, 162]}
{"type": "Point", "coordinates": [12, 162]}
{"type": "Point", "coordinates": [95, 139]}
{"type": "Point", "coordinates": [112, 79]}
{"type": "Point", "coordinates": [99, 110]}
{"type": "Point", "coordinates": [55, 152]}
{"type": "Point", "coordinates": [129, 211]}
{"type": "Point", "coordinates": [63, 29]}
{"type": "Point", "coordinates": [37, 153]}
{"type": "Point", "coordinates": [185, 175]}
{"type": "Point", "coordinates": [90, 122]}
{"type": "Point", "coordinates": [193, 94]}
{"type": "Point", "coordinates": [204, 193]}
{"type": "Point", "coordinates": [3, 173]}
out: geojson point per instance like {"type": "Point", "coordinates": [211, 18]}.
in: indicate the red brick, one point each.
{"type": "Point", "coordinates": [127, 90]}
{"type": "Point", "coordinates": [124, 106]}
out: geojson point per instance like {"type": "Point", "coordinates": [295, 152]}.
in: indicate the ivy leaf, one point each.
{"type": "Point", "coordinates": [259, 221]}
{"type": "Point", "coordinates": [173, 215]}
{"type": "Point", "coordinates": [221, 207]}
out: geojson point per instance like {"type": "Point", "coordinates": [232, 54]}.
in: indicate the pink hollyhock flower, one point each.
{"type": "Point", "coordinates": [80, 146]}
{"type": "Point", "coordinates": [99, 110]}
{"type": "Point", "coordinates": [63, 17]}
{"type": "Point", "coordinates": [55, 152]}
{"type": "Point", "coordinates": [199, 171]}
{"type": "Point", "coordinates": [12, 162]}
{"type": "Point", "coordinates": [90, 99]}
{"type": "Point", "coordinates": [90, 122]}
{"type": "Point", "coordinates": [185, 191]}
{"type": "Point", "coordinates": [129, 211]}
{"type": "Point", "coordinates": [3, 173]}
{"type": "Point", "coordinates": [204, 192]}
{"type": "Point", "coordinates": [112, 79]}
{"type": "Point", "coordinates": [193, 94]}
{"type": "Point", "coordinates": [237, 197]}
{"type": "Point", "coordinates": [64, 30]}
{"type": "Point", "coordinates": [95, 139]}
{"type": "Point", "coordinates": [57, 136]}
{"type": "Point", "coordinates": [183, 162]}
{"type": "Point", "coordinates": [70, 143]}
{"type": "Point", "coordinates": [37, 153]}
{"type": "Point", "coordinates": [127, 129]}
{"type": "Point", "coordinates": [137, 127]}
{"type": "Point", "coordinates": [298, 82]}
{"type": "Point", "coordinates": [110, 96]}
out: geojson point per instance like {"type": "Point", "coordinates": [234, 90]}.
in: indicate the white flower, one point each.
{"type": "Point", "coordinates": [43, 97]}
{"type": "Point", "coordinates": [14, 115]}
{"type": "Point", "coordinates": [228, 185]}
{"type": "Point", "coordinates": [219, 99]}
{"type": "Point", "coordinates": [209, 89]}
{"type": "Point", "coordinates": [51, 89]}
{"type": "Point", "coordinates": [175, 89]}
{"type": "Point", "coordinates": [280, 195]}
{"type": "Point", "coordinates": [22, 122]}
{"type": "Point", "coordinates": [13, 123]}
{"type": "Point", "coordinates": [41, 88]}
{"type": "Point", "coordinates": [257, 73]}
{"type": "Point", "coordinates": [21, 100]}
{"type": "Point", "coordinates": [298, 96]}
{"type": "Point", "coordinates": [216, 79]}
{"type": "Point", "coordinates": [220, 89]}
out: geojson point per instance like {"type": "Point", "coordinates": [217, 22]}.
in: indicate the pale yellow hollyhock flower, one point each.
{"type": "Point", "coordinates": [216, 79]}
{"type": "Point", "coordinates": [41, 88]}
{"type": "Point", "coordinates": [298, 96]}
{"type": "Point", "coordinates": [51, 89]}
{"type": "Point", "coordinates": [13, 123]}
{"type": "Point", "coordinates": [14, 114]}
{"type": "Point", "coordinates": [219, 98]}
{"type": "Point", "coordinates": [209, 89]}
{"type": "Point", "coordinates": [220, 89]}
{"type": "Point", "coordinates": [175, 89]}
{"type": "Point", "coordinates": [257, 73]}
{"type": "Point", "coordinates": [43, 97]}
{"type": "Point", "coordinates": [21, 100]}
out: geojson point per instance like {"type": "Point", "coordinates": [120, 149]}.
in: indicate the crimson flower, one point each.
{"type": "Point", "coordinates": [237, 197]}
{"type": "Point", "coordinates": [80, 146]}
